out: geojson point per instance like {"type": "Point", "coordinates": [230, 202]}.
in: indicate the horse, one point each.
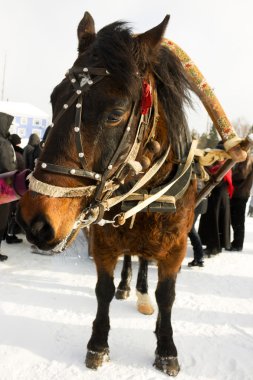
{"type": "Point", "coordinates": [118, 159]}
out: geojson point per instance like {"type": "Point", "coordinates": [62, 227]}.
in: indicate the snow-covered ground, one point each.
{"type": "Point", "coordinates": [48, 305]}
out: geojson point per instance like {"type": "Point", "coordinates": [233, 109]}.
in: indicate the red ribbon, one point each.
{"type": "Point", "coordinates": [146, 101]}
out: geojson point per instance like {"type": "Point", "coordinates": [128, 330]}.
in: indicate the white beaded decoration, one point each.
{"type": "Point", "coordinates": [78, 105]}
{"type": "Point", "coordinates": [65, 106]}
{"type": "Point", "coordinates": [81, 154]}
{"type": "Point", "coordinates": [72, 171]}
{"type": "Point", "coordinates": [76, 129]}
{"type": "Point", "coordinates": [43, 165]}
{"type": "Point", "coordinates": [110, 167]}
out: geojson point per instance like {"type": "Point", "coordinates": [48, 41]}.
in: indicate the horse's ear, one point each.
{"type": "Point", "coordinates": [85, 32]}
{"type": "Point", "coordinates": [152, 38]}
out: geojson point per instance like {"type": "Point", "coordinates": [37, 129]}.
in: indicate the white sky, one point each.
{"type": "Point", "coordinates": [39, 41]}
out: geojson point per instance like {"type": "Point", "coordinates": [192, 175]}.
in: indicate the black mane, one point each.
{"type": "Point", "coordinates": [114, 47]}
{"type": "Point", "coordinates": [173, 92]}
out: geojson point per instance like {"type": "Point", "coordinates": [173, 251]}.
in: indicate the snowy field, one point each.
{"type": "Point", "coordinates": [48, 305]}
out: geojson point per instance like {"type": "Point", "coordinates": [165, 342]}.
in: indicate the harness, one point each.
{"type": "Point", "coordinates": [102, 192]}
{"type": "Point", "coordinates": [106, 185]}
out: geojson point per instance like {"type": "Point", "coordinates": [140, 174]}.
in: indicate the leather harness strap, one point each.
{"type": "Point", "coordinates": [106, 184]}
{"type": "Point", "coordinates": [121, 218]}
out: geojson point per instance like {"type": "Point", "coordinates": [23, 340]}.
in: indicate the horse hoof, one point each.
{"type": "Point", "coordinates": [167, 364]}
{"type": "Point", "coordinates": [145, 308]}
{"type": "Point", "coordinates": [144, 305]}
{"type": "Point", "coordinates": [96, 359]}
{"type": "Point", "coordinates": [122, 294]}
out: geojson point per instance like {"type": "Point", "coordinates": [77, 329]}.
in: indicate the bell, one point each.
{"type": "Point", "coordinates": [154, 146]}
{"type": "Point", "coordinates": [145, 162]}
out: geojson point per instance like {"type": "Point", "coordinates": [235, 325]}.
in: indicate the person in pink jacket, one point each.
{"type": "Point", "coordinates": [12, 186]}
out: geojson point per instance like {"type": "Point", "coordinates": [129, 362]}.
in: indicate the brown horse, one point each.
{"type": "Point", "coordinates": [119, 145]}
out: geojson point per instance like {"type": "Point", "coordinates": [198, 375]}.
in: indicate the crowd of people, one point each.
{"type": "Point", "coordinates": [15, 165]}
{"type": "Point", "coordinates": [225, 213]}
{"type": "Point", "coordinates": [224, 210]}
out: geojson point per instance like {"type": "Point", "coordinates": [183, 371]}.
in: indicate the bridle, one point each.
{"type": "Point", "coordinates": [105, 186]}
{"type": "Point", "coordinates": [80, 88]}
{"type": "Point", "coordinates": [103, 193]}
{"type": "Point", "coordinates": [82, 79]}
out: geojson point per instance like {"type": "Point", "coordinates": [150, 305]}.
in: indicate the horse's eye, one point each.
{"type": "Point", "coordinates": [115, 116]}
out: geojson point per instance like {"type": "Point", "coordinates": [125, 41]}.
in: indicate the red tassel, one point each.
{"type": "Point", "coordinates": [146, 101]}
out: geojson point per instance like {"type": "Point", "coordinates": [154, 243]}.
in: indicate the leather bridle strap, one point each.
{"type": "Point", "coordinates": [68, 171]}
{"type": "Point", "coordinates": [117, 153]}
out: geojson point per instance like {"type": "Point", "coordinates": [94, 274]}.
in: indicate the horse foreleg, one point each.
{"type": "Point", "coordinates": [166, 352]}
{"type": "Point", "coordinates": [123, 289]}
{"type": "Point", "coordinates": [144, 305]}
{"type": "Point", "coordinates": [98, 348]}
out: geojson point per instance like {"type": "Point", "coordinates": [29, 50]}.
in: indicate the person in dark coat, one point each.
{"type": "Point", "coordinates": [16, 141]}
{"type": "Point", "coordinates": [198, 252]}
{"type": "Point", "coordinates": [30, 151]}
{"type": "Point", "coordinates": [214, 225]}
{"type": "Point", "coordinates": [196, 243]}
{"type": "Point", "coordinates": [8, 163]}
{"type": "Point", "coordinates": [242, 175]}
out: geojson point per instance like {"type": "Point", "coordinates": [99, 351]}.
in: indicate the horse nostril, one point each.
{"type": "Point", "coordinates": [41, 229]}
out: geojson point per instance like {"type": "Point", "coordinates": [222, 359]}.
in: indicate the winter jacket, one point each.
{"type": "Point", "coordinates": [29, 151]}
{"type": "Point", "coordinates": [242, 175]}
{"type": "Point", "coordinates": [7, 153]}
{"type": "Point", "coordinates": [19, 156]}
{"type": "Point", "coordinates": [13, 185]}
{"type": "Point", "coordinates": [15, 141]}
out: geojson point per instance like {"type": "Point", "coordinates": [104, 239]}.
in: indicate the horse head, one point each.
{"type": "Point", "coordinates": [105, 132]}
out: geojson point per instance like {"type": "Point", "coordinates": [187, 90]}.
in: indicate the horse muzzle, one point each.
{"type": "Point", "coordinates": [39, 232]}
{"type": "Point", "coordinates": [48, 221]}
